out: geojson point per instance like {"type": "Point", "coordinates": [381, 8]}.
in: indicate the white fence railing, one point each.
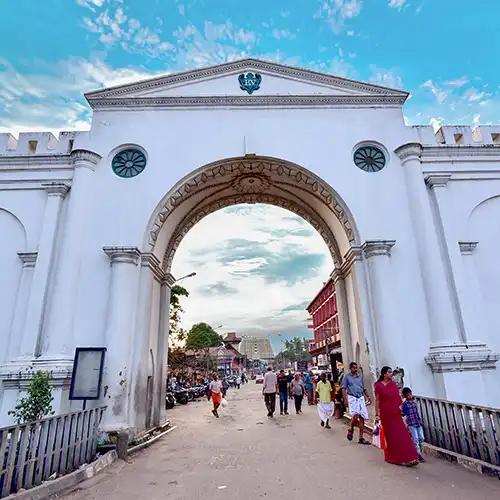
{"type": "Point", "coordinates": [466, 429]}
{"type": "Point", "coordinates": [31, 453]}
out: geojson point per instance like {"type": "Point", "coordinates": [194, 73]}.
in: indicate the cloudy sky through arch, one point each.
{"type": "Point", "coordinates": [258, 266]}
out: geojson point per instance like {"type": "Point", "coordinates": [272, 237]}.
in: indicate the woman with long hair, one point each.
{"type": "Point", "coordinates": [399, 449]}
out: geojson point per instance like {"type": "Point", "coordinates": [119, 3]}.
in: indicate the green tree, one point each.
{"type": "Point", "coordinates": [176, 310]}
{"type": "Point", "coordinates": [202, 336]}
{"type": "Point", "coordinates": [296, 349]}
{"type": "Point", "coordinates": [37, 403]}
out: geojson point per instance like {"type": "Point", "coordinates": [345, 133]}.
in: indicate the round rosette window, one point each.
{"type": "Point", "coordinates": [369, 158]}
{"type": "Point", "coordinates": [129, 162]}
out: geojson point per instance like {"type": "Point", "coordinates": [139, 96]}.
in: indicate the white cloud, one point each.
{"type": "Point", "coordinates": [115, 27]}
{"type": "Point", "coordinates": [396, 4]}
{"type": "Point", "coordinates": [52, 97]}
{"type": "Point", "coordinates": [254, 302]}
{"type": "Point", "coordinates": [474, 95]}
{"type": "Point", "coordinates": [439, 93]}
{"type": "Point", "coordinates": [228, 32]}
{"type": "Point", "coordinates": [457, 83]}
{"type": "Point", "coordinates": [90, 4]}
{"type": "Point", "coordinates": [335, 12]}
{"type": "Point", "coordinates": [385, 77]}
{"type": "Point", "coordinates": [280, 34]}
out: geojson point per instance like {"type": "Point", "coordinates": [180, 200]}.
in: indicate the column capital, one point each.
{"type": "Point", "coordinates": [372, 248]}
{"type": "Point", "coordinates": [408, 152]}
{"type": "Point", "coordinates": [337, 274]}
{"type": "Point", "coordinates": [151, 261]}
{"type": "Point", "coordinates": [437, 180]}
{"type": "Point", "coordinates": [169, 280]}
{"type": "Point", "coordinates": [467, 247]}
{"type": "Point", "coordinates": [28, 258]}
{"type": "Point", "coordinates": [126, 255]}
{"type": "Point", "coordinates": [58, 189]}
{"type": "Point", "coordinates": [352, 255]}
{"type": "Point", "coordinates": [85, 158]}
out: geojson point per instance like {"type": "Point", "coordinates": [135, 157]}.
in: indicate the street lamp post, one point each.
{"type": "Point", "coordinates": [190, 275]}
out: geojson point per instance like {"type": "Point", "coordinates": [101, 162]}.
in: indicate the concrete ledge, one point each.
{"type": "Point", "coordinates": [472, 464]}
{"type": "Point", "coordinates": [67, 482]}
{"type": "Point", "coordinates": [141, 446]}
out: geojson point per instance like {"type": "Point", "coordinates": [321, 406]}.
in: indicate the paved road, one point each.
{"type": "Point", "coordinates": [244, 456]}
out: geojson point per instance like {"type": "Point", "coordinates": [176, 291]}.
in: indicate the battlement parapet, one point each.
{"type": "Point", "coordinates": [458, 135]}
{"type": "Point", "coordinates": [37, 143]}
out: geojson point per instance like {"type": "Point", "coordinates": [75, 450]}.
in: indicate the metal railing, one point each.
{"type": "Point", "coordinates": [466, 429]}
{"type": "Point", "coordinates": [31, 453]}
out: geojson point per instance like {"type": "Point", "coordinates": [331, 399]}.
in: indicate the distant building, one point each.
{"type": "Point", "coordinates": [325, 347]}
{"type": "Point", "coordinates": [257, 348]}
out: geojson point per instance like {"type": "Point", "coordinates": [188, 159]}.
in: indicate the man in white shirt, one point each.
{"type": "Point", "coordinates": [269, 391]}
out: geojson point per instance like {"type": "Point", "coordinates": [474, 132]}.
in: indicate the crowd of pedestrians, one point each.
{"type": "Point", "coordinates": [400, 420]}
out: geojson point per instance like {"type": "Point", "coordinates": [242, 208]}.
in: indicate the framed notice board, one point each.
{"type": "Point", "coordinates": [86, 379]}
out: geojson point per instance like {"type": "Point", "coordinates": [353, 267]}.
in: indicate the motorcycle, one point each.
{"type": "Point", "coordinates": [169, 400]}
{"type": "Point", "coordinates": [181, 396]}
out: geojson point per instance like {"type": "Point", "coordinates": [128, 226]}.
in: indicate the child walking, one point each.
{"type": "Point", "coordinates": [413, 421]}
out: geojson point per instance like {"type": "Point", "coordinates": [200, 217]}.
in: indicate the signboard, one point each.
{"type": "Point", "coordinates": [302, 366]}
{"type": "Point", "coordinates": [87, 373]}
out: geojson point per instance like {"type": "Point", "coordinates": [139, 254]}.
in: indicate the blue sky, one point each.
{"type": "Point", "coordinates": [256, 281]}
{"type": "Point", "coordinates": [442, 51]}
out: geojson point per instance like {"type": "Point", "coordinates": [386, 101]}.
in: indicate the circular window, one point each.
{"type": "Point", "coordinates": [369, 158]}
{"type": "Point", "coordinates": [129, 163]}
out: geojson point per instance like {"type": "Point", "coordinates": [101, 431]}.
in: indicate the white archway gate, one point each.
{"type": "Point", "coordinates": [248, 179]}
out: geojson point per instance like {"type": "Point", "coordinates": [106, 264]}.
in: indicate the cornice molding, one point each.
{"type": "Point", "coordinates": [169, 280]}
{"type": "Point", "coordinates": [467, 247]}
{"type": "Point", "coordinates": [434, 181]}
{"type": "Point", "coordinates": [242, 65]}
{"type": "Point", "coordinates": [461, 357]}
{"type": "Point", "coordinates": [122, 255]}
{"type": "Point", "coordinates": [353, 255]}
{"type": "Point", "coordinates": [337, 275]}
{"type": "Point", "coordinates": [85, 158]}
{"type": "Point", "coordinates": [32, 161]}
{"type": "Point", "coordinates": [246, 101]}
{"type": "Point", "coordinates": [59, 189]}
{"type": "Point", "coordinates": [374, 248]}
{"type": "Point", "coordinates": [408, 152]}
{"type": "Point", "coordinates": [151, 261]}
{"type": "Point", "coordinates": [28, 258]}
{"type": "Point", "coordinates": [444, 152]}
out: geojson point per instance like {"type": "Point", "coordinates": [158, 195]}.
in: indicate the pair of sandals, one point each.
{"type": "Point", "coordinates": [350, 435]}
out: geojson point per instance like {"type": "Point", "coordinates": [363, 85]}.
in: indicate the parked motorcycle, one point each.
{"type": "Point", "coordinates": [169, 400]}
{"type": "Point", "coordinates": [181, 396]}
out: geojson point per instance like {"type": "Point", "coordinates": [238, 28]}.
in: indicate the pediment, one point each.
{"type": "Point", "coordinates": [218, 84]}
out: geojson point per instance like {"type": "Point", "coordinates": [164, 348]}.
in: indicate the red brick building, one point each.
{"type": "Point", "coordinates": [325, 325]}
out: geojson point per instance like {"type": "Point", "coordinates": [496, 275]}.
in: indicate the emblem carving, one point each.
{"type": "Point", "coordinates": [251, 183]}
{"type": "Point", "coordinates": [250, 82]}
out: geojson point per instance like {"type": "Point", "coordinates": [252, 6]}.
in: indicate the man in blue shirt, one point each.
{"type": "Point", "coordinates": [356, 398]}
{"type": "Point", "coordinates": [308, 384]}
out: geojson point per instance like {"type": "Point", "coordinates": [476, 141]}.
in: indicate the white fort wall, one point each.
{"type": "Point", "coordinates": [115, 212]}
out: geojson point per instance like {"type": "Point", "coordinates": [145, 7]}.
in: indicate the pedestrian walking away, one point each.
{"type": "Point", "coordinates": [269, 389]}
{"type": "Point", "coordinates": [399, 448]}
{"type": "Point", "coordinates": [413, 421]}
{"type": "Point", "coordinates": [324, 394]}
{"type": "Point", "coordinates": [238, 381]}
{"type": "Point", "coordinates": [283, 392]}
{"type": "Point", "coordinates": [216, 393]}
{"type": "Point", "coordinates": [356, 398]}
{"type": "Point", "coordinates": [298, 391]}
{"type": "Point", "coordinates": [308, 383]}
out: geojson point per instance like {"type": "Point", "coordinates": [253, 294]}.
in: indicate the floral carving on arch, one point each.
{"type": "Point", "coordinates": [251, 179]}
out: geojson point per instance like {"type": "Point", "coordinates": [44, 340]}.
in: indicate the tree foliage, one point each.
{"type": "Point", "coordinates": [296, 349]}
{"type": "Point", "coordinates": [176, 310]}
{"type": "Point", "coordinates": [202, 336]}
{"type": "Point", "coordinates": [37, 403]}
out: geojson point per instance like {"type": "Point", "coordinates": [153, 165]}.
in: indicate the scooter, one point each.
{"type": "Point", "coordinates": [181, 396]}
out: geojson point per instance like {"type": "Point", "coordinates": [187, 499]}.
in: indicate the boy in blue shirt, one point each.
{"type": "Point", "coordinates": [413, 421]}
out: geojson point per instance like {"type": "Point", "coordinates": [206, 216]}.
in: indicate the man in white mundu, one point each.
{"type": "Point", "coordinates": [356, 397]}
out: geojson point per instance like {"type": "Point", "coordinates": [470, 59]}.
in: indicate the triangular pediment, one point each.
{"type": "Point", "coordinates": [275, 82]}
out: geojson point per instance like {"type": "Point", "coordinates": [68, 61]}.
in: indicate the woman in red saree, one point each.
{"type": "Point", "coordinates": [399, 449]}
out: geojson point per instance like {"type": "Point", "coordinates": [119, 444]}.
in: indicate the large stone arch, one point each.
{"type": "Point", "coordinates": [250, 179]}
